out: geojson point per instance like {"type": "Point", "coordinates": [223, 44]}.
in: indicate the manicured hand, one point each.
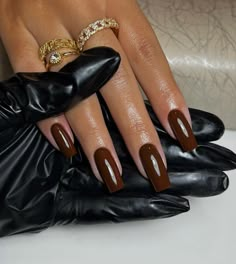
{"type": "Point", "coordinates": [26, 25]}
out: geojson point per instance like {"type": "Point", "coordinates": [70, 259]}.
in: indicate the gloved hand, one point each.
{"type": "Point", "coordinates": [39, 187]}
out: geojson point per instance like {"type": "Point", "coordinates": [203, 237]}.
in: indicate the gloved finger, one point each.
{"type": "Point", "coordinates": [200, 183]}
{"type": "Point", "coordinates": [205, 156]}
{"type": "Point", "coordinates": [71, 206]}
{"type": "Point", "coordinates": [206, 126]}
{"type": "Point", "coordinates": [30, 97]}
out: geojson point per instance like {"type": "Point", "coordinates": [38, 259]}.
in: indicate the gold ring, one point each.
{"type": "Point", "coordinates": [54, 45]}
{"type": "Point", "coordinates": [93, 28]}
{"type": "Point", "coordinates": [57, 57]}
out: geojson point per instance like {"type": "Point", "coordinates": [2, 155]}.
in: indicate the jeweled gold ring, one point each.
{"type": "Point", "coordinates": [57, 57]}
{"type": "Point", "coordinates": [94, 27]}
{"type": "Point", "coordinates": [54, 45]}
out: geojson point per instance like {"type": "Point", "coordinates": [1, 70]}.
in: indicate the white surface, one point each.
{"type": "Point", "coordinates": [206, 234]}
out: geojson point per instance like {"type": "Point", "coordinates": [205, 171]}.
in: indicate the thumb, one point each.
{"type": "Point", "coordinates": [30, 97]}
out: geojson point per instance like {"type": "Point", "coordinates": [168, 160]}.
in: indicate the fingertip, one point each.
{"type": "Point", "coordinates": [59, 134]}
{"type": "Point", "coordinates": [107, 169]}
{"type": "Point", "coordinates": [180, 124]}
{"type": "Point", "coordinates": [152, 165]}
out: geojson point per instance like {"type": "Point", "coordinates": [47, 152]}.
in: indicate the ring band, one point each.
{"type": "Point", "coordinates": [94, 27]}
{"type": "Point", "coordinates": [54, 45]}
{"type": "Point", "coordinates": [57, 57]}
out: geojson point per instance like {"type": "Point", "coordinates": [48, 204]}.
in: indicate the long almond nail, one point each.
{"type": "Point", "coordinates": [63, 140]}
{"type": "Point", "coordinates": [182, 130]}
{"type": "Point", "coordinates": [108, 169]}
{"type": "Point", "coordinates": [154, 167]}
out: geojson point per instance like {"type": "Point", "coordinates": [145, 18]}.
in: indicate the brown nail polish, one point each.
{"type": "Point", "coordinates": [63, 140]}
{"type": "Point", "coordinates": [154, 167]}
{"type": "Point", "coordinates": [108, 169]}
{"type": "Point", "coordinates": [182, 130]}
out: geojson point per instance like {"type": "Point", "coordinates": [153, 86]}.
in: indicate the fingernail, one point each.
{"type": "Point", "coordinates": [154, 167]}
{"type": "Point", "coordinates": [108, 169]}
{"type": "Point", "coordinates": [63, 140]}
{"type": "Point", "coordinates": [225, 182]}
{"type": "Point", "coordinates": [182, 130]}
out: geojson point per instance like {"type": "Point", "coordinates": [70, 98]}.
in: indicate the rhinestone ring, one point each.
{"type": "Point", "coordinates": [53, 46]}
{"type": "Point", "coordinates": [93, 28]}
{"type": "Point", "coordinates": [57, 57]}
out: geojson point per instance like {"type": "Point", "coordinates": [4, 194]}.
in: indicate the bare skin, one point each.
{"type": "Point", "coordinates": [26, 25]}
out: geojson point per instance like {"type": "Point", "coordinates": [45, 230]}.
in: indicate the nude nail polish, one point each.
{"type": "Point", "coordinates": [63, 140]}
{"type": "Point", "coordinates": [108, 169]}
{"type": "Point", "coordinates": [154, 167]}
{"type": "Point", "coordinates": [182, 130]}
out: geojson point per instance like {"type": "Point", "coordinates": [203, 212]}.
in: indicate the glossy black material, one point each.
{"type": "Point", "coordinates": [39, 187]}
{"type": "Point", "coordinates": [29, 97]}
{"type": "Point", "coordinates": [206, 127]}
{"type": "Point", "coordinates": [59, 190]}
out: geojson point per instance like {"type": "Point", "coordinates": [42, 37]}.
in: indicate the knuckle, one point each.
{"type": "Point", "coordinates": [94, 138]}
{"type": "Point", "coordinates": [137, 128]}
{"type": "Point", "coordinates": [93, 133]}
{"type": "Point", "coordinates": [120, 79]}
{"type": "Point", "coordinates": [144, 49]}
